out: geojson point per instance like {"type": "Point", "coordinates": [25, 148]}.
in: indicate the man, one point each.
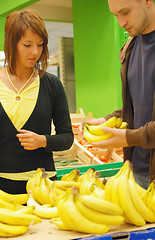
{"type": "Point", "coordinates": [137, 56]}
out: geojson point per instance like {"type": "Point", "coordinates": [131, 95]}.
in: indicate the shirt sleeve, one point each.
{"type": "Point", "coordinates": [63, 138]}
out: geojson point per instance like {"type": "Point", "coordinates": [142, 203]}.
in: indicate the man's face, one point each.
{"type": "Point", "coordinates": [132, 15]}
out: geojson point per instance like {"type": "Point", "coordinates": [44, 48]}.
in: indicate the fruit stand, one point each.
{"type": "Point", "coordinates": [95, 196]}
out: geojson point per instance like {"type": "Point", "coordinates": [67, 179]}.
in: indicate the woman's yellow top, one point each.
{"type": "Point", "coordinates": [19, 111]}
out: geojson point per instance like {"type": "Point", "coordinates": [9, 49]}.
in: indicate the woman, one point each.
{"type": "Point", "coordinates": [30, 98]}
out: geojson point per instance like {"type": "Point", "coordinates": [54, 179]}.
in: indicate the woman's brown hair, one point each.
{"type": "Point", "coordinates": [16, 24]}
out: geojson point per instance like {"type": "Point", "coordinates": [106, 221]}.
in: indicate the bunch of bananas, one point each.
{"type": "Point", "coordinates": [122, 190]}
{"type": "Point", "coordinates": [85, 213]}
{"type": "Point", "coordinates": [15, 218]}
{"type": "Point", "coordinates": [94, 133]}
{"type": "Point", "coordinates": [148, 196]}
{"type": "Point", "coordinates": [40, 185]}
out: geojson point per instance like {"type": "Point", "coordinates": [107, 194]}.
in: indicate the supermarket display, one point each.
{"type": "Point", "coordinates": [78, 202]}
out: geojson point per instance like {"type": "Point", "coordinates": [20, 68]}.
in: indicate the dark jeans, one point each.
{"type": "Point", "coordinates": [143, 181]}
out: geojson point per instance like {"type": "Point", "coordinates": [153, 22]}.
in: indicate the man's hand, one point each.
{"type": "Point", "coordinates": [118, 139]}
{"type": "Point", "coordinates": [30, 140]}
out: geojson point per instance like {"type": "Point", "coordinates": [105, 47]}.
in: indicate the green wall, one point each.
{"type": "Point", "coordinates": [96, 48]}
{"type": "Point", "coordinates": [5, 8]}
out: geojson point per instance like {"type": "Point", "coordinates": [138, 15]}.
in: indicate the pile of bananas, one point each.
{"type": "Point", "coordinates": [137, 203]}
{"type": "Point", "coordinates": [82, 203]}
{"type": "Point", "coordinates": [85, 213]}
{"type": "Point", "coordinates": [15, 217]}
{"type": "Point", "coordinates": [94, 133]}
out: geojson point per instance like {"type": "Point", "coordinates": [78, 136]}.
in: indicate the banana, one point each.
{"type": "Point", "coordinates": [140, 189]}
{"type": "Point", "coordinates": [11, 231]}
{"type": "Point", "coordinates": [12, 205]}
{"type": "Point", "coordinates": [97, 216]}
{"type": "Point", "coordinates": [114, 192]}
{"type": "Point", "coordinates": [72, 176]}
{"type": "Point", "coordinates": [89, 137]}
{"type": "Point", "coordinates": [31, 183]}
{"type": "Point", "coordinates": [108, 188]}
{"type": "Point", "coordinates": [65, 184]}
{"type": "Point", "coordinates": [86, 188]}
{"type": "Point", "coordinates": [40, 210]}
{"type": "Point", "coordinates": [16, 198]}
{"type": "Point", "coordinates": [59, 191]}
{"type": "Point", "coordinates": [124, 125]}
{"type": "Point", "coordinates": [87, 175]}
{"type": "Point", "coordinates": [143, 210]}
{"type": "Point", "coordinates": [63, 217]}
{"type": "Point", "coordinates": [126, 202]}
{"type": "Point", "coordinates": [101, 205]}
{"type": "Point", "coordinates": [26, 210]}
{"type": "Point", "coordinates": [77, 221]}
{"type": "Point", "coordinates": [153, 199]}
{"type": "Point", "coordinates": [59, 223]}
{"type": "Point", "coordinates": [43, 190]}
{"type": "Point", "coordinates": [97, 129]}
{"type": "Point", "coordinates": [98, 192]}
{"type": "Point", "coordinates": [17, 218]}
{"type": "Point", "coordinates": [118, 122]}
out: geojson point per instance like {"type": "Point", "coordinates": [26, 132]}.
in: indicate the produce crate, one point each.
{"type": "Point", "coordinates": [79, 157]}
{"type": "Point", "coordinates": [148, 234]}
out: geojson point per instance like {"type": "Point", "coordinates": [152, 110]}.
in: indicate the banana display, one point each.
{"type": "Point", "coordinates": [94, 133]}
{"type": "Point", "coordinates": [78, 202]}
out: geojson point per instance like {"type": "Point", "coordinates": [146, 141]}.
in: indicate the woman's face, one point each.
{"type": "Point", "coordinates": [29, 49]}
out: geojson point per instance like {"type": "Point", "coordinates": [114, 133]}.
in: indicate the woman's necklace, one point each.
{"type": "Point", "coordinates": [18, 97]}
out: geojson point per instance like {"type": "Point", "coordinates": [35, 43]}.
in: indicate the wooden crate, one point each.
{"type": "Point", "coordinates": [82, 156]}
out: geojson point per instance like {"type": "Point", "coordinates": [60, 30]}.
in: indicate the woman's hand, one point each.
{"type": "Point", "coordinates": [117, 140]}
{"type": "Point", "coordinates": [30, 140]}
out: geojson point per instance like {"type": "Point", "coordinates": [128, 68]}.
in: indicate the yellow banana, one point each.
{"type": "Point", "coordinates": [89, 137]}
{"type": "Point", "coordinates": [153, 198]}
{"type": "Point", "coordinates": [40, 210]}
{"type": "Point", "coordinates": [143, 210]}
{"type": "Point", "coordinates": [72, 176]}
{"type": "Point", "coordinates": [101, 205]}
{"type": "Point", "coordinates": [66, 184]}
{"type": "Point", "coordinates": [86, 188]}
{"type": "Point", "coordinates": [140, 189]}
{"type": "Point", "coordinates": [48, 183]}
{"type": "Point", "coordinates": [114, 192]}
{"type": "Point", "coordinates": [87, 175]}
{"type": "Point", "coordinates": [97, 216]}
{"type": "Point", "coordinates": [59, 223]}
{"type": "Point", "coordinates": [97, 129]}
{"type": "Point", "coordinates": [126, 202]}
{"type": "Point", "coordinates": [26, 210]}
{"type": "Point", "coordinates": [118, 122]}
{"type": "Point", "coordinates": [98, 192]}
{"type": "Point", "coordinates": [43, 190]}
{"type": "Point", "coordinates": [77, 221]}
{"type": "Point", "coordinates": [16, 198]}
{"type": "Point", "coordinates": [58, 191]}
{"type": "Point", "coordinates": [11, 231]}
{"type": "Point", "coordinates": [108, 187]}
{"type": "Point", "coordinates": [61, 206]}
{"type": "Point", "coordinates": [31, 183]}
{"type": "Point", "coordinates": [124, 125]}
{"type": "Point", "coordinates": [17, 218]}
